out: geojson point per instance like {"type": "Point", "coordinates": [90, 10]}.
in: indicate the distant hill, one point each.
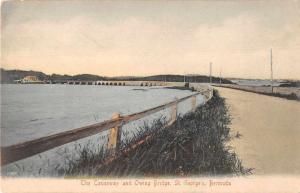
{"type": "Point", "coordinates": [8, 76]}
{"type": "Point", "coordinates": [79, 77]}
{"type": "Point", "coordinates": [88, 77]}
{"type": "Point", "coordinates": [180, 78]}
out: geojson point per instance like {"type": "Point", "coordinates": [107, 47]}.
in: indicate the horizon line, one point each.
{"type": "Point", "coordinates": [224, 77]}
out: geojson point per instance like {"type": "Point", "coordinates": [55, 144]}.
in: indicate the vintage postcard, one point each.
{"type": "Point", "coordinates": [150, 96]}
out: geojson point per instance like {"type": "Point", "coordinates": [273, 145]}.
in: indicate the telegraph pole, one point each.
{"type": "Point", "coordinates": [220, 76]}
{"type": "Point", "coordinates": [165, 76]}
{"type": "Point", "coordinates": [210, 69]}
{"type": "Point", "coordinates": [271, 71]}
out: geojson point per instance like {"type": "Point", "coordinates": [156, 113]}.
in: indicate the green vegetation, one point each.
{"type": "Point", "coordinates": [291, 96]}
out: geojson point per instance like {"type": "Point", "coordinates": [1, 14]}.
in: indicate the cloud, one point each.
{"type": "Point", "coordinates": [138, 45]}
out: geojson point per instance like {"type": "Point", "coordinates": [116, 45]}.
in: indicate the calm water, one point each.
{"type": "Point", "coordinates": [32, 111]}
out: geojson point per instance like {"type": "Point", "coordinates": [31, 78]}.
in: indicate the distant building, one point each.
{"type": "Point", "coordinates": [30, 80]}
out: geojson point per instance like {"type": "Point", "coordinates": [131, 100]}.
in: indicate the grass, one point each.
{"type": "Point", "coordinates": [194, 145]}
{"type": "Point", "coordinates": [291, 96]}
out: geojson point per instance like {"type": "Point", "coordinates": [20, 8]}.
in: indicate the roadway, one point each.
{"type": "Point", "coordinates": [270, 129]}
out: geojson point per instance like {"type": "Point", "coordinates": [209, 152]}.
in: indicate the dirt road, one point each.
{"type": "Point", "coordinates": [270, 129]}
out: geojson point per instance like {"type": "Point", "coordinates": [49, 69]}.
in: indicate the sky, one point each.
{"type": "Point", "coordinates": [139, 38]}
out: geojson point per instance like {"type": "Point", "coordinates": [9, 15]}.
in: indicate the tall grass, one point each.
{"type": "Point", "coordinates": [194, 145]}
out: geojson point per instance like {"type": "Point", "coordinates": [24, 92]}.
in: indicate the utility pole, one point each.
{"type": "Point", "coordinates": [165, 76]}
{"type": "Point", "coordinates": [271, 71]}
{"type": "Point", "coordinates": [210, 69]}
{"type": "Point", "coordinates": [220, 76]}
